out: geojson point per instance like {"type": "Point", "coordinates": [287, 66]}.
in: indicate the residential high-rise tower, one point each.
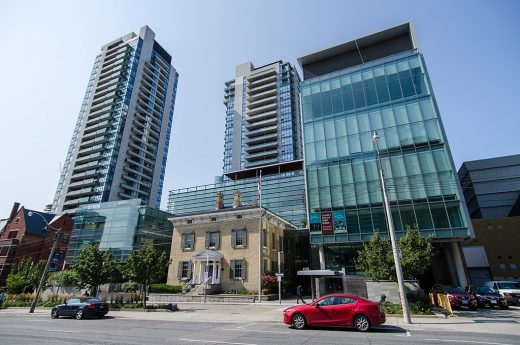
{"type": "Point", "coordinates": [263, 127]}
{"type": "Point", "coordinates": [120, 142]}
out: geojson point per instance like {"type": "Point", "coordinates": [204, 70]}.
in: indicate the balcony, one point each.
{"type": "Point", "coordinates": [250, 126]}
{"type": "Point", "coordinates": [262, 138]}
{"type": "Point", "coordinates": [262, 131]}
{"type": "Point", "coordinates": [89, 158]}
{"type": "Point", "coordinates": [83, 175]}
{"type": "Point", "coordinates": [262, 109]}
{"type": "Point", "coordinates": [268, 93]}
{"type": "Point", "coordinates": [261, 102]}
{"type": "Point", "coordinates": [273, 153]}
{"type": "Point", "coordinates": [263, 162]}
{"type": "Point", "coordinates": [266, 146]}
{"type": "Point", "coordinates": [88, 166]}
{"type": "Point", "coordinates": [84, 183]}
{"type": "Point", "coordinates": [81, 192]}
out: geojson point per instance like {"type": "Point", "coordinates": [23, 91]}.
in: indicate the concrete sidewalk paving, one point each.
{"type": "Point", "coordinates": [271, 312]}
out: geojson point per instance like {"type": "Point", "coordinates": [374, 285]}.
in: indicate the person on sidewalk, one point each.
{"type": "Point", "coordinates": [299, 296]}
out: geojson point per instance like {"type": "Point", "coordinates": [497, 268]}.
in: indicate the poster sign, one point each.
{"type": "Point", "coordinates": [315, 222]}
{"type": "Point", "coordinates": [339, 220]}
{"type": "Point", "coordinates": [327, 225]}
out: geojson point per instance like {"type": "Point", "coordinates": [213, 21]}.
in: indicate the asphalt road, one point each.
{"type": "Point", "coordinates": [40, 329]}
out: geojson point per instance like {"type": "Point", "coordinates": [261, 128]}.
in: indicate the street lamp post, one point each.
{"type": "Point", "coordinates": [395, 250]}
{"type": "Point", "coordinates": [279, 277]}
{"type": "Point", "coordinates": [55, 238]}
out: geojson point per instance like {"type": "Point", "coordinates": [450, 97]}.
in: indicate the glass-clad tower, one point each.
{"type": "Point", "coordinates": [263, 125]}
{"type": "Point", "coordinates": [378, 83]}
{"type": "Point", "coordinates": [120, 142]}
{"type": "Point", "coordinates": [120, 226]}
{"type": "Point", "coordinates": [262, 134]}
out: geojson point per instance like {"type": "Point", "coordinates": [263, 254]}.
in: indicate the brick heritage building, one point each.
{"type": "Point", "coordinates": [27, 236]}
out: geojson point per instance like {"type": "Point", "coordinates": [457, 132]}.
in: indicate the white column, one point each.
{"type": "Point", "coordinates": [459, 266]}
{"type": "Point", "coordinates": [321, 251]}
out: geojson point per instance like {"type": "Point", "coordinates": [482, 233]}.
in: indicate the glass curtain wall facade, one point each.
{"type": "Point", "coordinates": [392, 96]}
{"type": "Point", "coordinates": [120, 142]}
{"type": "Point", "coordinates": [283, 194]}
{"type": "Point", "coordinates": [120, 226]}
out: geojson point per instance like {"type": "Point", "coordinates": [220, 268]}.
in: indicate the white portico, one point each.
{"type": "Point", "coordinates": [210, 259]}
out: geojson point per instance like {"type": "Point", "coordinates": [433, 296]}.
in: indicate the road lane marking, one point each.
{"type": "Point", "coordinates": [249, 324]}
{"type": "Point", "coordinates": [253, 330]}
{"type": "Point", "coordinates": [214, 342]}
{"type": "Point", "coordinates": [466, 341]}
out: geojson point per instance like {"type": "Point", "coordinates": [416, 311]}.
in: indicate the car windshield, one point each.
{"type": "Point", "coordinates": [452, 289]}
{"type": "Point", "coordinates": [484, 289]}
{"type": "Point", "coordinates": [508, 285]}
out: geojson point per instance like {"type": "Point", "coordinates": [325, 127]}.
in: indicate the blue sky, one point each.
{"type": "Point", "coordinates": [472, 52]}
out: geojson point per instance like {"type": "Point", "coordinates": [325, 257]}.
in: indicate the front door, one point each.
{"type": "Point", "coordinates": [210, 273]}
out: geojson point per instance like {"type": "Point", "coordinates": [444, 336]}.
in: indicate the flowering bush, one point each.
{"type": "Point", "coordinates": [269, 284]}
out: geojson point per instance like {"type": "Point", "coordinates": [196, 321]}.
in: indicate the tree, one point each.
{"type": "Point", "coordinates": [25, 276]}
{"type": "Point", "coordinates": [63, 278]}
{"type": "Point", "coordinates": [94, 267]}
{"type": "Point", "coordinates": [377, 262]}
{"type": "Point", "coordinates": [146, 266]}
{"type": "Point", "coordinates": [375, 259]}
{"type": "Point", "coordinates": [418, 252]}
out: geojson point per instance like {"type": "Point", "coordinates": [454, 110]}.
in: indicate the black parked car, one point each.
{"type": "Point", "coordinates": [487, 297]}
{"type": "Point", "coordinates": [80, 307]}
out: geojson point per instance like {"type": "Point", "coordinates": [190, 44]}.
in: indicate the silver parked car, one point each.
{"type": "Point", "coordinates": [510, 290]}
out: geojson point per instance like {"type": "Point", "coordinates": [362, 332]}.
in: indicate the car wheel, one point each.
{"type": "Point", "coordinates": [473, 308]}
{"type": "Point", "coordinates": [362, 323]}
{"type": "Point", "coordinates": [504, 307]}
{"type": "Point", "coordinates": [79, 314]}
{"type": "Point", "coordinates": [54, 314]}
{"type": "Point", "coordinates": [298, 321]}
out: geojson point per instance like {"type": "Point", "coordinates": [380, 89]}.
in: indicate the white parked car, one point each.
{"type": "Point", "coordinates": [510, 290]}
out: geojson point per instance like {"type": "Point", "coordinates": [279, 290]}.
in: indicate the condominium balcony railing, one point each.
{"type": "Point", "coordinates": [262, 102]}
{"type": "Point", "coordinates": [265, 108]}
{"type": "Point", "coordinates": [250, 126]}
{"type": "Point", "coordinates": [271, 145]}
{"type": "Point", "coordinates": [262, 155]}
{"type": "Point", "coordinates": [261, 131]}
{"type": "Point", "coordinates": [264, 94]}
{"type": "Point", "coordinates": [262, 138]}
{"type": "Point", "coordinates": [83, 183]}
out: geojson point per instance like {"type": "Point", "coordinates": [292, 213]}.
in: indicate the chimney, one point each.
{"type": "Point", "coordinates": [14, 210]}
{"type": "Point", "coordinates": [219, 201]}
{"type": "Point", "coordinates": [236, 199]}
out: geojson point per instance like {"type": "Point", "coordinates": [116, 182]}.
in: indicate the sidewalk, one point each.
{"type": "Point", "coordinates": [271, 312]}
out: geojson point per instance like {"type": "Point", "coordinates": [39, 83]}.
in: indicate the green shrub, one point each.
{"type": "Point", "coordinates": [165, 288]}
{"type": "Point", "coordinates": [129, 287]}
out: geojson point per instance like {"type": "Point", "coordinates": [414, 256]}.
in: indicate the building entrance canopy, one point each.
{"type": "Point", "coordinates": [208, 255]}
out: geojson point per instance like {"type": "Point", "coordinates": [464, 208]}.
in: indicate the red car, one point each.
{"type": "Point", "coordinates": [342, 310]}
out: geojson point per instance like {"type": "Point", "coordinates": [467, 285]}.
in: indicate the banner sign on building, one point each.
{"type": "Point", "coordinates": [315, 221]}
{"type": "Point", "coordinates": [339, 220]}
{"type": "Point", "coordinates": [327, 225]}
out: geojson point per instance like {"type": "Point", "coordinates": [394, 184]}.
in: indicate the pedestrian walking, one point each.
{"type": "Point", "coordinates": [1, 298]}
{"type": "Point", "coordinates": [299, 291]}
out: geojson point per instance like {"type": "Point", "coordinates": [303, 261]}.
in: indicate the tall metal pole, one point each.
{"type": "Point", "coordinates": [260, 244]}
{"type": "Point", "coordinates": [279, 277]}
{"type": "Point", "coordinates": [55, 238]}
{"type": "Point", "coordinates": [391, 230]}
{"type": "Point", "coordinates": [206, 273]}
